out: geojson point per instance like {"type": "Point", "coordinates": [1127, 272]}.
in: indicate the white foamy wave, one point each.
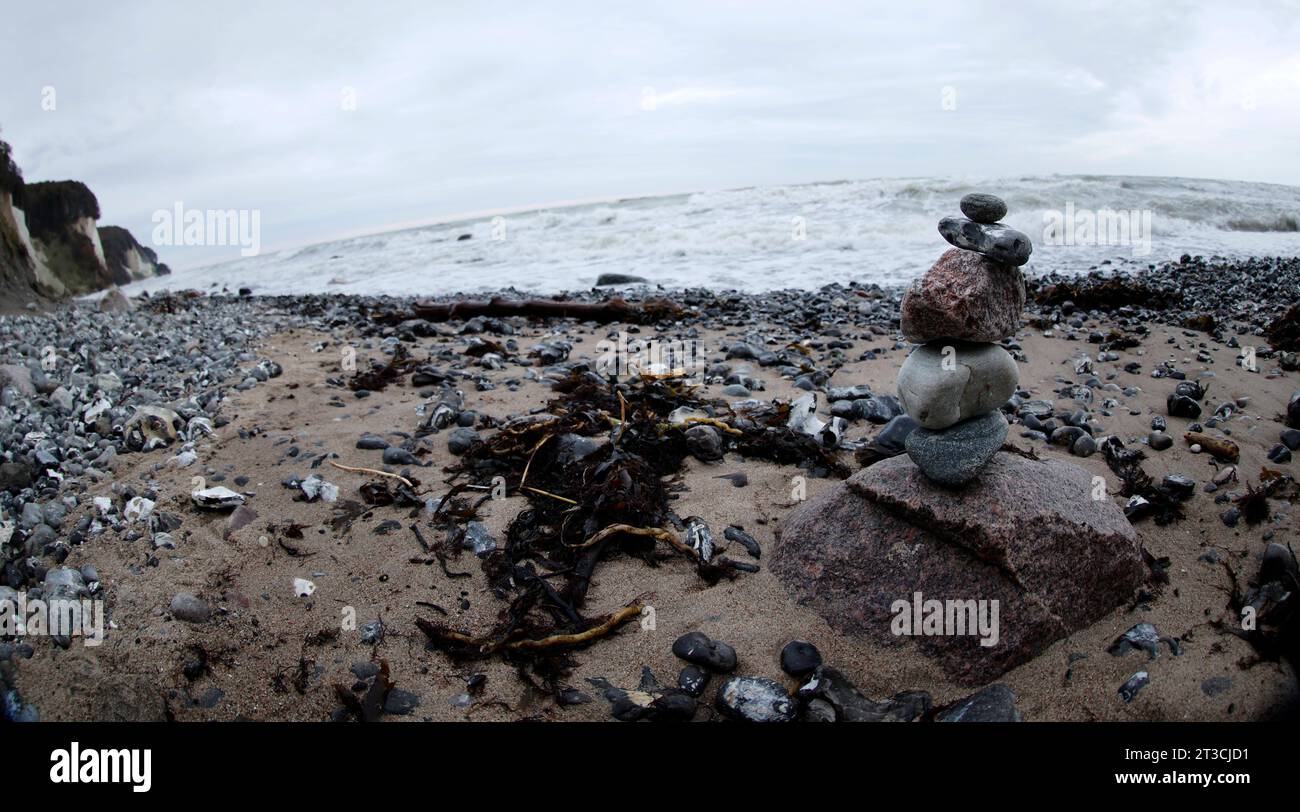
{"type": "Point", "coordinates": [881, 231]}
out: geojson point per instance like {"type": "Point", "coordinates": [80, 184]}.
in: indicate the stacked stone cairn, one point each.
{"type": "Point", "coordinates": [956, 382]}
{"type": "Point", "coordinates": [957, 518]}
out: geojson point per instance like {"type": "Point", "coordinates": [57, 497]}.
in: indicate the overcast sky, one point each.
{"type": "Point", "coordinates": [484, 106]}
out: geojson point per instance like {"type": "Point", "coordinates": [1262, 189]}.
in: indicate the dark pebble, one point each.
{"type": "Point", "coordinates": [698, 649]}
{"type": "Point", "coordinates": [800, 658]}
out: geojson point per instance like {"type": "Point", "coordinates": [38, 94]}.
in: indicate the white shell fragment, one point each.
{"type": "Point", "coordinates": [217, 498]}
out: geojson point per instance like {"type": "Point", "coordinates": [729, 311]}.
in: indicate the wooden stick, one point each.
{"type": "Point", "coordinates": [552, 495]}
{"type": "Point", "coordinates": [532, 454]}
{"type": "Point", "coordinates": [712, 421]}
{"type": "Point", "coordinates": [407, 482]}
{"type": "Point", "coordinates": [441, 635]}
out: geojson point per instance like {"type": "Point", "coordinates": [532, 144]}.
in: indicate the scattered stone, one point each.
{"type": "Point", "coordinates": [755, 699]}
{"type": "Point", "coordinates": [462, 439]}
{"type": "Point", "coordinates": [800, 658]}
{"type": "Point", "coordinates": [396, 455]}
{"type": "Point", "coordinates": [995, 703]}
{"type": "Point", "coordinates": [1146, 637]}
{"type": "Point", "coordinates": [733, 533]}
{"type": "Point", "coordinates": [620, 279]}
{"type": "Point", "coordinates": [190, 609]}
{"type": "Point", "coordinates": [693, 680]}
{"type": "Point", "coordinates": [1182, 406]}
{"type": "Point", "coordinates": [1129, 690]}
{"type": "Point", "coordinates": [479, 539]}
{"type": "Point", "coordinates": [696, 648]}
{"type": "Point", "coordinates": [704, 443]}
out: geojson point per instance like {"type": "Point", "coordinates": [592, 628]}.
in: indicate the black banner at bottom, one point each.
{"type": "Point", "coordinates": [313, 763]}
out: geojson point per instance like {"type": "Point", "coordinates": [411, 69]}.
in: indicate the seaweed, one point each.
{"type": "Point", "coordinates": [1097, 292]}
{"type": "Point", "coordinates": [381, 375]}
{"type": "Point", "coordinates": [1283, 333]}
{"type": "Point", "coordinates": [1154, 500]}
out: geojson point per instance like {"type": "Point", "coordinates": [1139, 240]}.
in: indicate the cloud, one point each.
{"type": "Point", "coordinates": [470, 108]}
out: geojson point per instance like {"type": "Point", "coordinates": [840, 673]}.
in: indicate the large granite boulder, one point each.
{"type": "Point", "coordinates": [1026, 533]}
{"type": "Point", "coordinates": [964, 296]}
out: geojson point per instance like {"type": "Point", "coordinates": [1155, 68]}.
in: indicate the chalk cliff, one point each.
{"type": "Point", "coordinates": [51, 245]}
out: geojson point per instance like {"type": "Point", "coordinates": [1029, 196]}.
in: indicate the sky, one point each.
{"type": "Point", "coordinates": [330, 123]}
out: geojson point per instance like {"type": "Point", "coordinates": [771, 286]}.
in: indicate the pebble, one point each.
{"type": "Point", "coordinates": [1159, 441]}
{"type": "Point", "coordinates": [461, 440]}
{"type": "Point", "coordinates": [736, 534]}
{"type": "Point", "coordinates": [1182, 406]}
{"type": "Point", "coordinates": [1130, 689]}
{"type": "Point", "coordinates": [1179, 486]}
{"type": "Point", "coordinates": [696, 648]}
{"type": "Point", "coordinates": [755, 699]}
{"type": "Point", "coordinates": [800, 658]}
{"type": "Point", "coordinates": [187, 607]}
{"type": "Point", "coordinates": [983, 208]}
{"type": "Point", "coordinates": [395, 455]}
{"type": "Point", "coordinates": [995, 703]}
{"type": "Point", "coordinates": [479, 539]}
{"type": "Point", "coordinates": [693, 680]}
{"type": "Point", "coordinates": [704, 443]}
{"type": "Point", "coordinates": [892, 439]}
{"type": "Point", "coordinates": [1084, 446]}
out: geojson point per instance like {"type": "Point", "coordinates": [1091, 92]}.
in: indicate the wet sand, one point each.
{"type": "Point", "coordinates": [272, 655]}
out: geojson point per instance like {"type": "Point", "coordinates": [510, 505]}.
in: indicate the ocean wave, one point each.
{"type": "Point", "coordinates": [1283, 222]}
{"type": "Point", "coordinates": [879, 230]}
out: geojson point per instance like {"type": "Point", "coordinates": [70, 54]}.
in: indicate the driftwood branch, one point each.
{"type": "Point", "coordinates": [613, 309]}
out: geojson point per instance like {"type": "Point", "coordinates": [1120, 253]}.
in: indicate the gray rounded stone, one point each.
{"type": "Point", "coordinates": [954, 456]}
{"type": "Point", "coordinates": [190, 609]}
{"type": "Point", "coordinates": [983, 208]}
{"type": "Point", "coordinates": [939, 387]}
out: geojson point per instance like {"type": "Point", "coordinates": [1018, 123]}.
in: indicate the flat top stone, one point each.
{"type": "Point", "coordinates": [1011, 492]}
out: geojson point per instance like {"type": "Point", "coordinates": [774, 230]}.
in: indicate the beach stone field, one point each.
{"type": "Point", "coordinates": [362, 508]}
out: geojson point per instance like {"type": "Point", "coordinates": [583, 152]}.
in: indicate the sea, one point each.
{"type": "Point", "coordinates": [766, 238]}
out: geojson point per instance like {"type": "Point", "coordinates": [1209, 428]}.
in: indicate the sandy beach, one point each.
{"type": "Point", "coordinates": [265, 653]}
